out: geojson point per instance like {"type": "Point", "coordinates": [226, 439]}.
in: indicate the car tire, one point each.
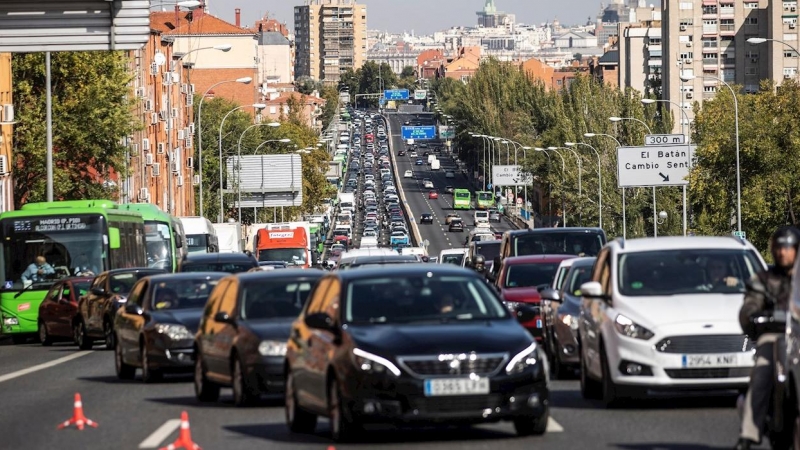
{"type": "Point", "coordinates": [83, 341]}
{"type": "Point", "coordinates": [590, 388]}
{"type": "Point", "coordinates": [204, 390]}
{"type": "Point", "coordinates": [610, 392]}
{"type": "Point", "coordinates": [124, 371]}
{"type": "Point", "coordinates": [343, 427]}
{"type": "Point", "coordinates": [297, 419]}
{"type": "Point", "coordinates": [532, 426]}
{"type": "Point", "coordinates": [44, 336]}
{"type": "Point", "coordinates": [244, 393]}
{"type": "Point", "coordinates": [110, 336]}
{"type": "Point", "coordinates": [149, 375]}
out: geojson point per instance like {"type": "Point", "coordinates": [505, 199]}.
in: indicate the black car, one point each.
{"type": "Point", "coordinates": [426, 218]}
{"type": "Point", "coordinates": [422, 344]}
{"type": "Point", "coordinates": [449, 189]}
{"type": "Point", "coordinates": [155, 330]}
{"type": "Point", "coordinates": [241, 340]}
{"type": "Point", "coordinates": [217, 262]}
{"type": "Point", "coordinates": [96, 309]}
{"type": "Point", "coordinates": [456, 225]}
{"type": "Point", "coordinates": [401, 153]}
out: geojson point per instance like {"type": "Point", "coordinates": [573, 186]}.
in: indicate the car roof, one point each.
{"type": "Point", "coordinates": [188, 276]}
{"type": "Point", "coordinates": [560, 230]}
{"type": "Point", "coordinates": [532, 259]}
{"type": "Point", "coordinates": [133, 270]}
{"type": "Point", "coordinates": [411, 269]}
{"type": "Point", "coordinates": [680, 243]}
{"type": "Point", "coordinates": [289, 275]}
{"type": "Point", "coordinates": [579, 261]}
{"type": "Point", "coordinates": [217, 257]}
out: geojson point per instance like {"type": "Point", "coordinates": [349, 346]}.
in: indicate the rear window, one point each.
{"type": "Point", "coordinates": [579, 243]}
{"type": "Point", "coordinates": [217, 267]}
{"type": "Point", "coordinates": [274, 299]}
{"type": "Point", "coordinates": [122, 283]}
{"type": "Point", "coordinates": [488, 251]}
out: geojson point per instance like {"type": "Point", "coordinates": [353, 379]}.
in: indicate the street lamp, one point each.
{"type": "Point", "coordinates": [619, 144]}
{"type": "Point", "coordinates": [757, 40]}
{"type": "Point", "coordinates": [580, 183]}
{"type": "Point", "coordinates": [245, 80]}
{"type": "Point", "coordinates": [738, 169]}
{"type": "Point", "coordinates": [599, 180]}
{"type": "Point", "coordinates": [257, 106]}
{"type": "Point", "coordinates": [239, 161]}
{"type": "Point", "coordinates": [662, 217]}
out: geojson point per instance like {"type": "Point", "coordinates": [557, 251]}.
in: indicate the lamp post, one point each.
{"type": "Point", "coordinates": [649, 101]}
{"type": "Point", "coordinates": [757, 40]}
{"type": "Point", "coordinates": [738, 169]}
{"type": "Point", "coordinates": [563, 180]}
{"type": "Point", "coordinates": [599, 180]}
{"type": "Point", "coordinates": [239, 162]}
{"type": "Point", "coordinates": [257, 106]}
{"type": "Point", "coordinates": [483, 160]}
{"type": "Point", "coordinates": [580, 183]}
{"type": "Point", "coordinates": [245, 80]}
{"type": "Point", "coordinates": [624, 217]}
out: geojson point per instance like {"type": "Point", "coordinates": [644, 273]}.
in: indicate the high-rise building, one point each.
{"type": "Point", "coordinates": [330, 37]}
{"type": "Point", "coordinates": [490, 17]}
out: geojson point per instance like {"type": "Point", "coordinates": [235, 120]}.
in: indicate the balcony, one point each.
{"type": "Point", "coordinates": [710, 29]}
{"type": "Point", "coordinates": [710, 61]}
{"type": "Point", "coordinates": [727, 28]}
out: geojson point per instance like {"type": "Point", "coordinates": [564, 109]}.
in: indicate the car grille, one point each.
{"type": "Point", "coordinates": [725, 372]}
{"type": "Point", "coordinates": [433, 366]}
{"type": "Point", "coordinates": [453, 404]}
{"type": "Point", "coordinates": [726, 343]}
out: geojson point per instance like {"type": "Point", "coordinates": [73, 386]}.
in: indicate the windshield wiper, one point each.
{"type": "Point", "coordinates": [26, 288]}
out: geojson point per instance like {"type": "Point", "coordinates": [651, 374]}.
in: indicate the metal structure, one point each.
{"type": "Point", "coordinates": [267, 180]}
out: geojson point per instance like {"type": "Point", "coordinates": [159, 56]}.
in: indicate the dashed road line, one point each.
{"type": "Point", "coordinates": [163, 432]}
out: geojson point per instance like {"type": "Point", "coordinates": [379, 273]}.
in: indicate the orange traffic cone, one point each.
{"type": "Point", "coordinates": [184, 437]}
{"type": "Point", "coordinates": [78, 419]}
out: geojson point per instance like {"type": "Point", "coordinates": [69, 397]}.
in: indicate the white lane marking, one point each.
{"type": "Point", "coordinates": [553, 426]}
{"type": "Point", "coordinates": [163, 432]}
{"type": "Point", "coordinates": [47, 365]}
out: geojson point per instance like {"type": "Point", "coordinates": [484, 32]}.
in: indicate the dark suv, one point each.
{"type": "Point", "coordinates": [217, 262]}
{"type": "Point", "coordinates": [426, 218]}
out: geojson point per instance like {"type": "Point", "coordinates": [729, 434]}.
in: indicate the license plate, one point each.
{"type": "Point", "coordinates": [714, 360]}
{"type": "Point", "coordinates": [456, 386]}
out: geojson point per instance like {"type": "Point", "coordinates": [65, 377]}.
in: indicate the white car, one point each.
{"type": "Point", "coordinates": [480, 217]}
{"type": "Point", "coordinates": [449, 175]}
{"type": "Point", "coordinates": [408, 174]}
{"type": "Point", "coordinates": [412, 154]}
{"type": "Point", "coordinates": [427, 184]}
{"type": "Point", "coordinates": [651, 318]}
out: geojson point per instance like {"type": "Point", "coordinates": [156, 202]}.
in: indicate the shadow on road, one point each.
{"type": "Point", "coordinates": [226, 401]}
{"type": "Point", "coordinates": [666, 446]}
{"type": "Point", "coordinates": [571, 399]}
{"type": "Point", "coordinates": [113, 379]}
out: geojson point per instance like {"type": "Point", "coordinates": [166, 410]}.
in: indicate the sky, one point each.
{"type": "Point", "coordinates": [422, 16]}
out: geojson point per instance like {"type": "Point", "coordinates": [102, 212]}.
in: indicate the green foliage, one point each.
{"type": "Point", "coordinates": [331, 96]}
{"type": "Point", "coordinates": [91, 116]}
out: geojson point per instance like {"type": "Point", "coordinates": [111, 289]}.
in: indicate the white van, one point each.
{"type": "Point", "coordinates": [480, 216]}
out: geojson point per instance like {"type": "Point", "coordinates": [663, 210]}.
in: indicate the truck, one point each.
{"type": "Point", "coordinates": [289, 246]}
{"type": "Point", "coordinates": [310, 237]}
{"type": "Point", "coordinates": [200, 235]}
{"type": "Point", "coordinates": [435, 164]}
{"type": "Point", "coordinates": [347, 200]}
{"type": "Point", "coordinates": [229, 237]}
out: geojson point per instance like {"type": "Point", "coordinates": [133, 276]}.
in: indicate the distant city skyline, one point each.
{"type": "Point", "coordinates": [423, 16]}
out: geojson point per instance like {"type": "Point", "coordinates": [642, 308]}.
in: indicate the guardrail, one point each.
{"type": "Point", "coordinates": [416, 237]}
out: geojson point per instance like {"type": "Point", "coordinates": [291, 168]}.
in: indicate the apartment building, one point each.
{"type": "Point", "coordinates": [6, 131]}
{"type": "Point", "coordinates": [330, 37]}
{"type": "Point", "coordinates": [640, 56]}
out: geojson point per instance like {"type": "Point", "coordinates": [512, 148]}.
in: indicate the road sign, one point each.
{"type": "Point", "coordinates": [511, 175]}
{"type": "Point", "coordinates": [740, 234]}
{"type": "Point", "coordinates": [423, 132]}
{"type": "Point", "coordinates": [654, 166]}
{"type": "Point", "coordinates": [446, 132]}
{"type": "Point", "coordinates": [664, 139]}
{"type": "Point", "coordinates": [420, 94]}
{"type": "Point", "coordinates": [396, 94]}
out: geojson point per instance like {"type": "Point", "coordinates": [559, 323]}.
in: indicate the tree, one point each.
{"type": "Point", "coordinates": [91, 116]}
{"type": "Point", "coordinates": [307, 85]}
{"type": "Point", "coordinates": [408, 72]}
{"type": "Point", "coordinates": [331, 96]}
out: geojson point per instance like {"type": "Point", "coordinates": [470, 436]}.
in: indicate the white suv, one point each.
{"type": "Point", "coordinates": [654, 318]}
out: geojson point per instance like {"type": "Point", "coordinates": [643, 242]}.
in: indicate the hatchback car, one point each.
{"type": "Point", "coordinates": [433, 195]}
{"type": "Point", "coordinates": [155, 330]}
{"type": "Point", "coordinates": [426, 218]}
{"type": "Point", "coordinates": [427, 184]}
{"type": "Point", "coordinates": [58, 309]}
{"type": "Point", "coordinates": [463, 357]}
{"type": "Point", "coordinates": [241, 340]}
{"type": "Point", "coordinates": [418, 162]}
{"type": "Point", "coordinates": [449, 189]}
{"type": "Point", "coordinates": [456, 225]}
{"type": "Point", "coordinates": [408, 174]}
{"type": "Point", "coordinates": [494, 215]}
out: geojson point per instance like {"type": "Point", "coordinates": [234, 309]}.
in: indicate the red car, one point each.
{"type": "Point", "coordinates": [59, 307]}
{"type": "Point", "coordinates": [433, 194]}
{"type": "Point", "coordinates": [518, 280]}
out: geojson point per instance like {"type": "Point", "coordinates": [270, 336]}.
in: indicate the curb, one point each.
{"type": "Point", "coordinates": [415, 235]}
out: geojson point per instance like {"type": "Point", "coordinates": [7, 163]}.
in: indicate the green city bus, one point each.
{"type": "Point", "coordinates": [462, 199]}
{"type": "Point", "coordinates": [164, 236]}
{"type": "Point", "coordinates": [484, 200]}
{"type": "Point", "coordinates": [60, 232]}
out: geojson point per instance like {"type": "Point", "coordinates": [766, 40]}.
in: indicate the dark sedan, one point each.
{"type": "Point", "coordinates": [426, 218]}
{"type": "Point", "coordinates": [59, 308]}
{"type": "Point", "coordinates": [456, 224]}
{"type": "Point", "coordinates": [217, 262]}
{"type": "Point", "coordinates": [96, 309]}
{"type": "Point", "coordinates": [424, 344]}
{"type": "Point", "coordinates": [241, 341]}
{"type": "Point", "coordinates": [155, 330]}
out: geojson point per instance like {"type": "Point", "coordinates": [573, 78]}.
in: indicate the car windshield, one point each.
{"type": "Point", "coordinates": [452, 259]}
{"type": "Point", "coordinates": [671, 272]}
{"type": "Point", "coordinates": [122, 283]}
{"type": "Point", "coordinates": [181, 294]}
{"type": "Point", "coordinates": [489, 251]}
{"type": "Point", "coordinates": [272, 299]}
{"type": "Point", "coordinates": [575, 278]}
{"type": "Point", "coordinates": [217, 267]}
{"type": "Point", "coordinates": [527, 275]}
{"type": "Point", "coordinates": [420, 298]}
{"type": "Point", "coordinates": [579, 243]}
{"type": "Point", "coordinates": [296, 256]}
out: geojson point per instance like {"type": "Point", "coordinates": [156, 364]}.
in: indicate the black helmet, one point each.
{"type": "Point", "coordinates": [785, 236]}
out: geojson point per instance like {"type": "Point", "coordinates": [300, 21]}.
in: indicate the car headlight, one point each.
{"type": "Point", "coordinates": [569, 321]}
{"type": "Point", "coordinates": [10, 321]}
{"type": "Point", "coordinates": [522, 360]}
{"type": "Point", "coordinates": [511, 306]}
{"type": "Point", "coordinates": [272, 348]}
{"type": "Point", "coordinates": [370, 363]}
{"type": "Point", "coordinates": [627, 327]}
{"type": "Point", "coordinates": [174, 332]}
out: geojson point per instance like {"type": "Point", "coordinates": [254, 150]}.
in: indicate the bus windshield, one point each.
{"type": "Point", "coordinates": [484, 196]}
{"type": "Point", "coordinates": [159, 244]}
{"type": "Point", "coordinates": [68, 244]}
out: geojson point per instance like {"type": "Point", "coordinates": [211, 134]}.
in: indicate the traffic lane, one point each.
{"type": "Point", "coordinates": [14, 358]}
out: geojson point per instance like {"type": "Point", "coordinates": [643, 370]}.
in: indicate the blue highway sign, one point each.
{"type": "Point", "coordinates": [396, 94]}
{"type": "Point", "coordinates": [425, 132]}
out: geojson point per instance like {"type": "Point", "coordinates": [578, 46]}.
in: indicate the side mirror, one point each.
{"type": "Point", "coordinates": [550, 294]}
{"type": "Point", "coordinates": [223, 317]}
{"type": "Point", "coordinates": [320, 321]}
{"type": "Point", "coordinates": [98, 291]}
{"type": "Point", "coordinates": [133, 308]}
{"type": "Point", "coordinates": [594, 290]}
{"type": "Point", "coordinates": [526, 313]}
{"type": "Point", "coordinates": [178, 240]}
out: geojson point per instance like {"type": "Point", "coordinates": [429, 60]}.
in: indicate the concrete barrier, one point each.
{"type": "Point", "coordinates": [416, 238]}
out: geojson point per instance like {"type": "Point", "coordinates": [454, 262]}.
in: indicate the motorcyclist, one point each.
{"type": "Point", "coordinates": [480, 265]}
{"type": "Point", "coordinates": [767, 291]}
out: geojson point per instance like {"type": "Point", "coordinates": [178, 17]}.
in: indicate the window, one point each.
{"type": "Point", "coordinates": [687, 22]}
{"type": "Point", "coordinates": [750, 71]}
{"type": "Point", "coordinates": [687, 55]}
{"type": "Point", "coordinates": [789, 54]}
{"type": "Point", "coordinates": [751, 20]}
{"type": "Point", "coordinates": [789, 72]}
{"type": "Point", "coordinates": [686, 5]}
{"type": "Point", "coordinates": [709, 42]}
{"type": "Point", "coordinates": [710, 9]}
{"type": "Point", "coordinates": [750, 5]}
{"type": "Point", "coordinates": [709, 89]}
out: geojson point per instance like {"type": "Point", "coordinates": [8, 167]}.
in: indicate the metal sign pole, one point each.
{"type": "Point", "coordinates": [49, 128]}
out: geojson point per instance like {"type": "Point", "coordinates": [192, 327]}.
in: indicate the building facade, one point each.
{"type": "Point", "coordinates": [6, 132]}
{"type": "Point", "coordinates": [330, 37]}
{"type": "Point", "coordinates": [640, 56]}
{"type": "Point", "coordinates": [275, 62]}
{"type": "Point", "coordinates": [310, 108]}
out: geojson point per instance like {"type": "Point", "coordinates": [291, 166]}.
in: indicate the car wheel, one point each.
{"type": "Point", "coordinates": [297, 419]}
{"type": "Point", "coordinates": [44, 337]}
{"type": "Point", "coordinates": [532, 426]}
{"type": "Point", "coordinates": [243, 392]}
{"type": "Point", "coordinates": [84, 342]}
{"type": "Point", "coordinates": [590, 389]}
{"type": "Point", "coordinates": [108, 332]}
{"type": "Point", "coordinates": [343, 427]}
{"type": "Point", "coordinates": [149, 375]}
{"type": "Point", "coordinates": [204, 390]}
{"type": "Point", "coordinates": [124, 371]}
{"type": "Point", "coordinates": [610, 391]}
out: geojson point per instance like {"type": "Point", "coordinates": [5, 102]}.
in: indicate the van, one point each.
{"type": "Point", "coordinates": [431, 159]}
{"type": "Point", "coordinates": [480, 216]}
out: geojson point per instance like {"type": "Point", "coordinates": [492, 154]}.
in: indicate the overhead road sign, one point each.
{"type": "Point", "coordinates": [420, 94]}
{"type": "Point", "coordinates": [396, 94]}
{"type": "Point", "coordinates": [511, 175]}
{"type": "Point", "coordinates": [664, 139]}
{"type": "Point", "coordinates": [654, 166]}
{"type": "Point", "coordinates": [423, 132]}
{"type": "Point", "coordinates": [446, 132]}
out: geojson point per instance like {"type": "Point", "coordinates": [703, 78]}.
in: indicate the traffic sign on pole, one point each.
{"type": "Point", "coordinates": [510, 175]}
{"type": "Point", "coordinates": [654, 166]}
{"type": "Point", "coordinates": [420, 94]}
{"type": "Point", "coordinates": [423, 132]}
{"type": "Point", "coordinates": [664, 139]}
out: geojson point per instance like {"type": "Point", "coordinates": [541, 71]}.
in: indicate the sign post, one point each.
{"type": "Point", "coordinates": [420, 94]}
{"type": "Point", "coordinates": [511, 175]}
